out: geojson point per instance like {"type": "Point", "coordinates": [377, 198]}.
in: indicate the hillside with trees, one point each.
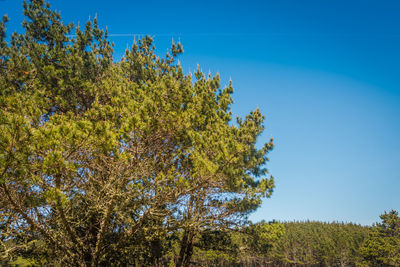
{"type": "Point", "coordinates": [132, 162]}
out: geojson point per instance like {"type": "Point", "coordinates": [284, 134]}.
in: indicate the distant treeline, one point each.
{"type": "Point", "coordinates": [303, 244]}
{"type": "Point", "coordinates": [284, 244]}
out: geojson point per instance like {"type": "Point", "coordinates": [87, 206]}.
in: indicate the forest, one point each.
{"type": "Point", "coordinates": [132, 162]}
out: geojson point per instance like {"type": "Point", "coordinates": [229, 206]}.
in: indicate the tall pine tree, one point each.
{"type": "Point", "coordinates": [104, 161]}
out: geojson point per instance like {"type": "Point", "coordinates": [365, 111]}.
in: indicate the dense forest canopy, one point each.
{"type": "Point", "coordinates": [132, 162]}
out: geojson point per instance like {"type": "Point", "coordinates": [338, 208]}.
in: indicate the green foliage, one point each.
{"type": "Point", "coordinates": [316, 243]}
{"type": "Point", "coordinates": [237, 246]}
{"type": "Point", "coordinates": [382, 248]}
{"type": "Point", "coordinates": [215, 248]}
{"type": "Point", "coordinates": [114, 161]}
{"type": "Point", "coordinates": [283, 244]}
{"type": "Point", "coordinates": [261, 237]}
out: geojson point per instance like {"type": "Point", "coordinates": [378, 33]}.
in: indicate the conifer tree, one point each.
{"type": "Point", "coordinates": [382, 248]}
{"type": "Point", "coordinates": [104, 161]}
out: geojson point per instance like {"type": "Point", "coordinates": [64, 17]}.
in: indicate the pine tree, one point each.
{"type": "Point", "coordinates": [382, 248]}
{"type": "Point", "coordinates": [107, 161]}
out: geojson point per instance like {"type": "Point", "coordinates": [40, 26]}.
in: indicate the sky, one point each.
{"type": "Point", "coordinates": [326, 74]}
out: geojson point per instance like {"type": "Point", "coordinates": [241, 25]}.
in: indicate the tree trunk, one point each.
{"type": "Point", "coordinates": [186, 250]}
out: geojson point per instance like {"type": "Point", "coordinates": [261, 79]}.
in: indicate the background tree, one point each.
{"type": "Point", "coordinates": [283, 244]}
{"type": "Point", "coordinates": [382, 248]}
{"type": "Point", "coordinates": [318, 244]}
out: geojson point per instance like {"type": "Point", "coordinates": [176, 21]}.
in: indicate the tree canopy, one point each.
{"type": "Point", "coordinates": [106, 160]}
{"type": "Point", "coordinates": [382, 248]}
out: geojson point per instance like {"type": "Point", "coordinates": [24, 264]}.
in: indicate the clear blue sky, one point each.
{"type": "Point", "coordinates": [325, 73]}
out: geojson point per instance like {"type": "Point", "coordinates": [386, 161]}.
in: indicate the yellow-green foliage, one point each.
{"type": "Point", "coordinates": [382, 248]}
{"type": "Point", "coordinates": [109, 161]}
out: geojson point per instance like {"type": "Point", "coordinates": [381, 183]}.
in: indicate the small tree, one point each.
{"type": "Point", "coordinates": [104, 161]}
